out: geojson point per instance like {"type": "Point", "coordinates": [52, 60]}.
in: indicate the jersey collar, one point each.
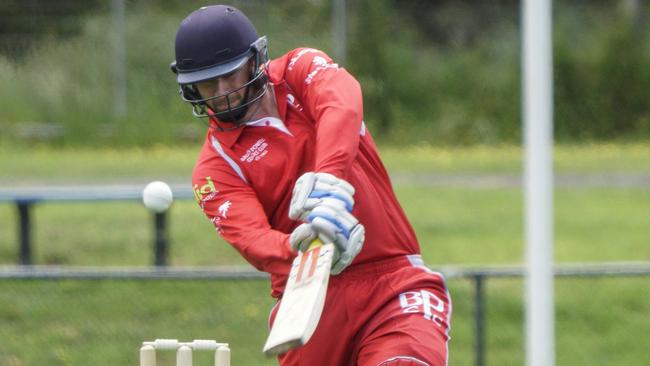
{"type": "Point", "coordinates": [228, 137]}
{"type": "Point", "coordinates": [224, 132]}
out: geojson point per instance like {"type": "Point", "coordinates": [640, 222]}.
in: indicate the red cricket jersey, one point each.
{"type": "Point", "coordinates": [244, 178]}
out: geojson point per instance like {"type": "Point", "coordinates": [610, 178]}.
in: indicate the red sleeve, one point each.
{"type": "Point", "coordinates": [232, 206]}
{"type": "Point", "coordinates": [333, 98]}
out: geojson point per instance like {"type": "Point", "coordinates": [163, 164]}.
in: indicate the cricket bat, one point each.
{"type": "Point", "coordinates": [303, 299]}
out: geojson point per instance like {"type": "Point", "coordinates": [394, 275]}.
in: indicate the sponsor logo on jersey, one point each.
{"type": "Point", "coordinates": [216, 221]}
{"type": "Point", "coordinates": [321, 64]}
{"type": "Point", "coordinates": [255, 152]}
{"type": "Point", "coordinates": [293, 102]}
{"type": "Point", "coordinates": [223, 209]}
{"type": "Point", "coordinates": [319, 61]}
{"type": "Point", "coordinates": [297, 57]}
{"type": "Point", "coordinates": [425, 303]}
{"type": "Point", "coordinates": [205, 192]}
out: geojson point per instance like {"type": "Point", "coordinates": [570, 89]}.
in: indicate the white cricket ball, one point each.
{"type": "Point", "coordinates": [157, 196]}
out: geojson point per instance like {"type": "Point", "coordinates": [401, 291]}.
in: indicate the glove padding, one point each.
{"type": "Point", "coordinates": [347, 250]}
{"type": "Point", "coordinates": [312, 188]}
{"type": "Point", "coordinates": [302, 236]}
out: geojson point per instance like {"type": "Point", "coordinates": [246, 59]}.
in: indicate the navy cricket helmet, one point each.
{"type": "Point", "coordinates": [214, 41]}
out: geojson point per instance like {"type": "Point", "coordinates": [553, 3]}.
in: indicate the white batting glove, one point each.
{"type": "Point", "coordinates": [312, 188]}
{"type": "Point", "coordinates": [346, 250]}
{"type": "Point", "coordinates": [302, 236]}
{"type": "Point", "coordinates": [334, 224]}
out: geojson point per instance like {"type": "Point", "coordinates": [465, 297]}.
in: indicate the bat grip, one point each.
{"type": "Point", "coordinates": [315, 244]}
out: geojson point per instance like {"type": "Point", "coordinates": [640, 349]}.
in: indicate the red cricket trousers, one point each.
{"type": "Point", "coordinates": [390, 312]}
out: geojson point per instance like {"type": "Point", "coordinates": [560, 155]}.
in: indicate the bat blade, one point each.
{"type": "Point", "coordinates": [303, 300]}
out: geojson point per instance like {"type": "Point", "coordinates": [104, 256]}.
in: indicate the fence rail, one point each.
{"type": "Point", "coordinates": [26, 198]}
{"type": "Point", "coordinates": [478, 275]}
{"type": "Point", "coordinates": [237, 272]}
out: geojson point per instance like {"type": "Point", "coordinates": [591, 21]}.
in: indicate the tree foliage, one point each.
{"type": "Point", "coordinates": [441, 72]}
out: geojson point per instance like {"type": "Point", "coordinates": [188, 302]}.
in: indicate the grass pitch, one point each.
{"type": "Point", "coordinates": [599, 321]}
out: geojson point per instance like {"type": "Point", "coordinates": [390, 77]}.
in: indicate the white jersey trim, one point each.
{"type": "Point", "coordinates": [268, 321]}
{"type": "Point", "coordinates": [409, 358]}
{"type": "Point", "coordinates": [270, 122]}
{"type": "Point", "coordinates": [417, 262]}
{"type": "Point", "coordinates": [217, 146]}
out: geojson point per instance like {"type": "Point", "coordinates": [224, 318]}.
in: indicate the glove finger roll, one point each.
{"type": "Point", "coordinates": [302, 236]}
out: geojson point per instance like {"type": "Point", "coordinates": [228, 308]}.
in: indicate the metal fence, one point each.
{"type": "Point", "coordinates": [477, 275]}
{"type": "Point", "coordinates": [26, 198]}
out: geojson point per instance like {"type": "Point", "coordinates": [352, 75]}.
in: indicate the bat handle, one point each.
{"type": "Point", "coordinates": [315, 244]}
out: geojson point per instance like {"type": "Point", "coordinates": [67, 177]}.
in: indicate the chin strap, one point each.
{"type": "Point", "coordinates": [238, 123]}
{"type": "Point", "coordinates": [237, 113]}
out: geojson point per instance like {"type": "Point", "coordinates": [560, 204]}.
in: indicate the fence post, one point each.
{"type": "Point", "coordinates": [24, 235]}
{"type": "Point", "coordinates": [479, 321]}
{"type": "Point", "coordinates": [338, 26]}
{"type": "Point", "coordinates": [160, 239]}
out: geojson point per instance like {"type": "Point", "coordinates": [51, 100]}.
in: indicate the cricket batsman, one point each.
{"type": "Point", "coordinates": [288, 158]}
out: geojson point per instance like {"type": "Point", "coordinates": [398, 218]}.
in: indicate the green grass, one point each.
{"type": "Point", "coordinates": [39, 164]}
{"type": "Point", "coordinates": [490, 159]}
{"type": "Point", "coordinates": [599, 321]}
{"type": "Point", "coordinates": [454, 226]}
{"type": "Point", "coordinates": [82, 165]}
{"type": "Point", "coordinates": [103, 322]}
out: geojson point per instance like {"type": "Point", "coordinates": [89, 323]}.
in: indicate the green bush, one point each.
{"type": "Point", "coordinates": [443, 72]}
{"type": "Point", "coordinates": [601, 81]}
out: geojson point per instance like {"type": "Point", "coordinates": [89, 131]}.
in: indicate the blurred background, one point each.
{"type": "Point", "coordinates": [87, 98]}
{"type": "Point", "coordinates": [443, 72]}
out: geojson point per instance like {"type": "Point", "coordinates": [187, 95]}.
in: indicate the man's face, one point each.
{"type": "Point", "coordinates": [226, 85]}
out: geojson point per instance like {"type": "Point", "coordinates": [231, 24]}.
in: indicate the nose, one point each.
{"type": "Point", "coordinates": [213, 88]}
{"type": "Point", "coordinates": [221, 87]}
{"type": "Point", "coordinates": [217, 87]}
